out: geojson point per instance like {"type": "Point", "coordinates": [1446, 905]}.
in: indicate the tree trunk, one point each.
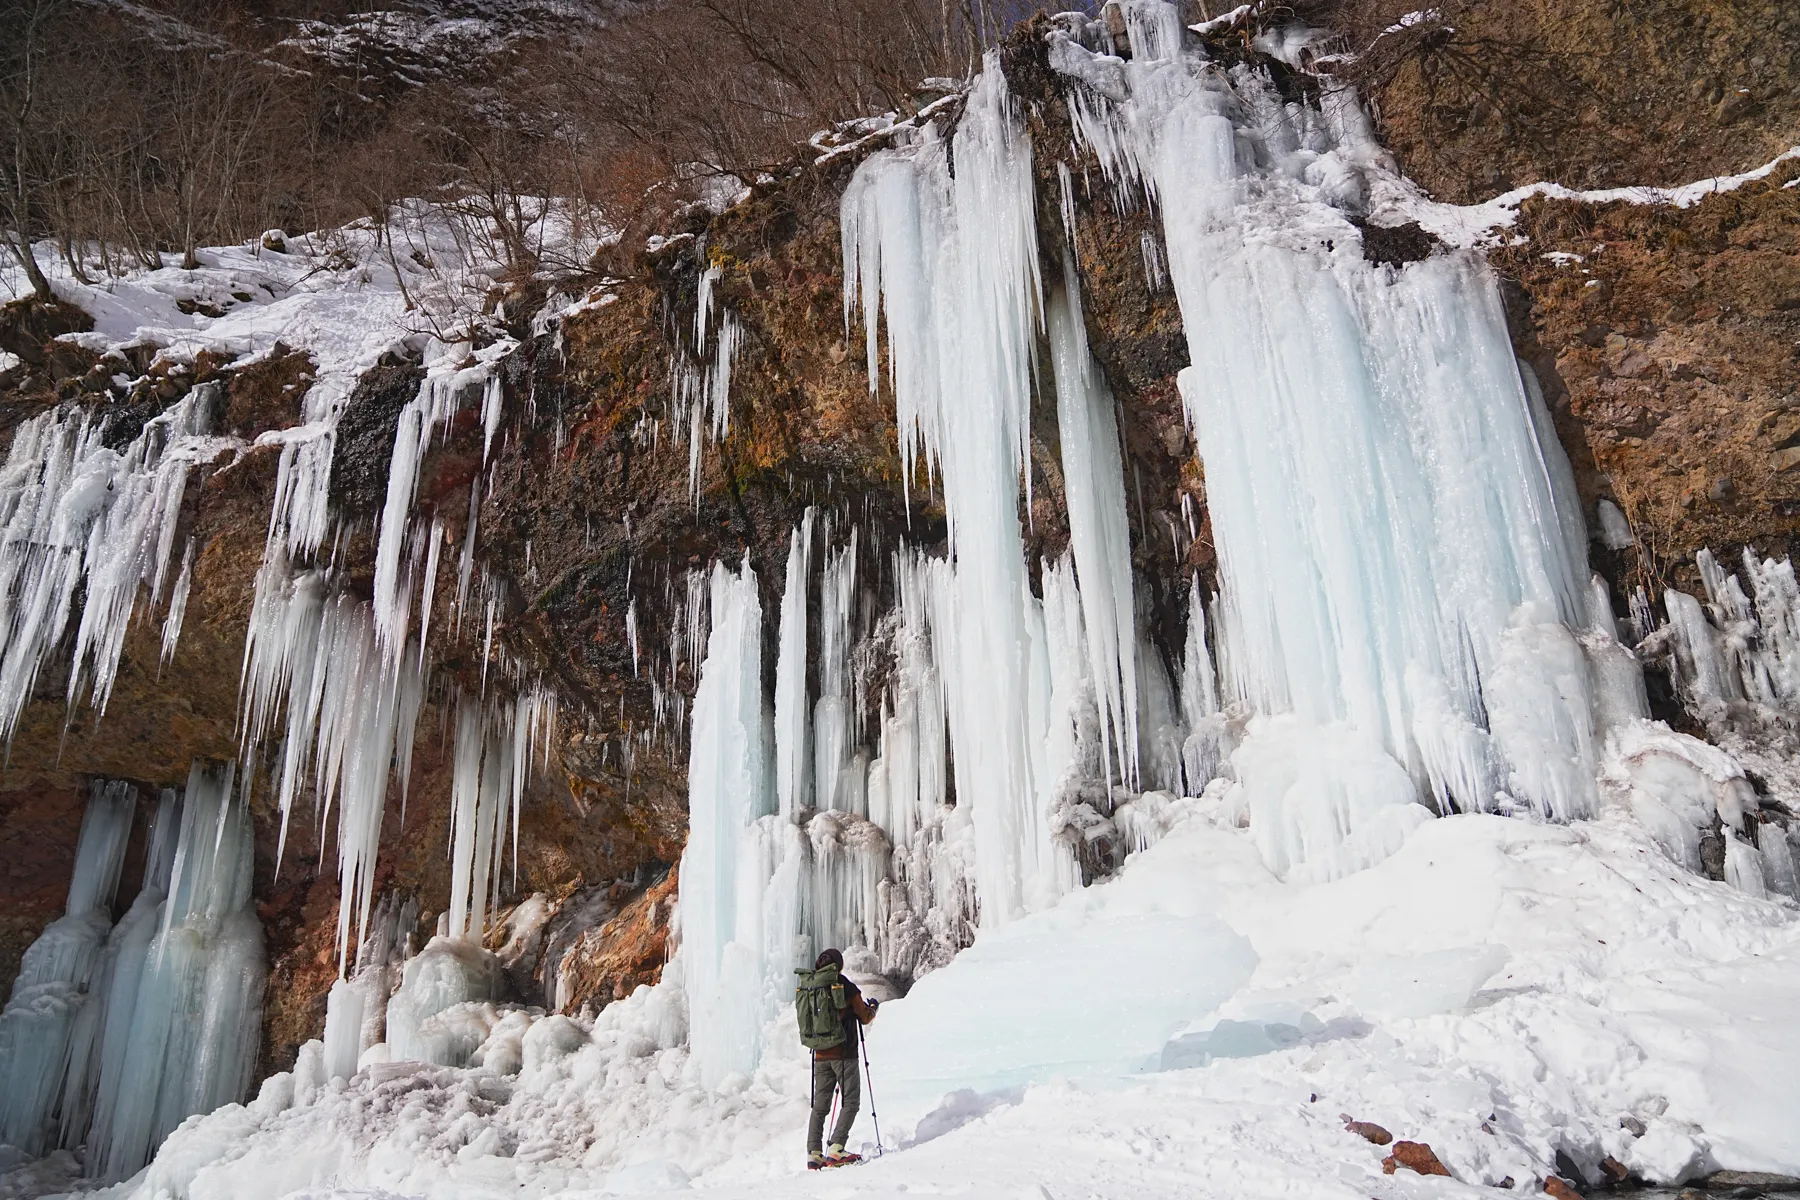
{"type": "Point", "coordinates": [21, 248]}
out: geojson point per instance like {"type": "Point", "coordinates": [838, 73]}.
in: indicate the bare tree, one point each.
{"type": "Point", "coordinates": [30, 21]}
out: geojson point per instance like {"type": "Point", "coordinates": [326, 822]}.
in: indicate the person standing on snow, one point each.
{"type": "Point", "coordinates": [832, 1011]}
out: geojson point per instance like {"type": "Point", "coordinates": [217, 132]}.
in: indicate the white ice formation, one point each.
{"type": "Point", "coordinates": [115, 1034]}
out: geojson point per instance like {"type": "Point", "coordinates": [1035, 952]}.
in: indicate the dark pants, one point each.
{"type": "Point", "coordinates": [833, 1075]}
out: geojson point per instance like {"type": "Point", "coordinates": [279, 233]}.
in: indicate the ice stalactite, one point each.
{"type": "Point", "coordinates": [82, 518]}
{"type": "Point", "coordinates": [701, 386]}
{"type": "Point", "coordinates": [194, 1027]}
{"type": "Point", "coordinates": [792, 769]}
{"type": "Point", "coordinates": [1208, 743]}
{"type": "Point", "coordinates": [52, 991]}
{"type": "Point", "coordinates": [498, 744]}
{"type": "Point", "coordinates": [1094, 488]}
{"type": "Point", "coordinates": [833, 735]}
{"type": "Point", "coordinates": [446, 389]}
{"type": "Point", "coordinates": [730, 786]}
{"type": "Point", "coordinates": [1399, 553]}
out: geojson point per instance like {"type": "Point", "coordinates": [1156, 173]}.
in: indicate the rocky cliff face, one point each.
{"type": "Point", "coordinates": [1667, 341]}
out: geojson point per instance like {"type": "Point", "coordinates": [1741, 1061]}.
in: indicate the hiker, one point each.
{"type": "Point", "coordinates": [831, 1011]}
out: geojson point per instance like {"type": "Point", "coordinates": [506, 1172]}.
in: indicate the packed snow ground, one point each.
{"type": "Point", "coordinates": [1499, 988]}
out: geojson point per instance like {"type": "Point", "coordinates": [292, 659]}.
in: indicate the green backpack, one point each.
{"type": "Point", "coordinates": [819, 1003]}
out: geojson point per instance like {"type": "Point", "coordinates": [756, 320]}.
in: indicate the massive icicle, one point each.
{"type": "Point", "coordinates": [1094, 487]}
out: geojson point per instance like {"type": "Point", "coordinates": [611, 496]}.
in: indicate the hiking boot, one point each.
{"type": "Point", "coordinates": [815, 1160]}
{"type": "Point", "coordinates": [837, 1156]}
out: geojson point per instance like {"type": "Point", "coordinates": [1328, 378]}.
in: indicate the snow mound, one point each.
{"type": "Point", "coordinates": [1499, 988]}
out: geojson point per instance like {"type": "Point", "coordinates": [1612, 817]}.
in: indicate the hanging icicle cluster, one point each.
{"type": "Point", "coordinates": [84, 520]}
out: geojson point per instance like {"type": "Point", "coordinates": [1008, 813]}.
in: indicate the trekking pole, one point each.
{"type": "Point", "coordinates": [869, 1082]}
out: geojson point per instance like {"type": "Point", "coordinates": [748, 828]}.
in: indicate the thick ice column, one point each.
{"type": "Point", "coordinates": [833, 737]}
{"type": "Point", "coordinates": [730, 786]}
{"type": "Point", "coordinates": [104, 1032]}
{"type": "Point", "coordinates": [42, 1023]}
{"type": "Point", "coordinates": [1099, 533]}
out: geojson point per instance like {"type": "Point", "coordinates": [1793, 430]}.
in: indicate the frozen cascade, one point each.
{"type": "Point", "coordinates": [953, 261]}
{"type": "Point", "coordinates": [52, 990]}
{"type": "Point", "coordinates": [1397, 552]}
{"type": "Point", "coordinates": [196, 1016]}
{"type": "Point", "coordinates": [729, 983]}
{"type": "Point", "coordinates": [81, 517]}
